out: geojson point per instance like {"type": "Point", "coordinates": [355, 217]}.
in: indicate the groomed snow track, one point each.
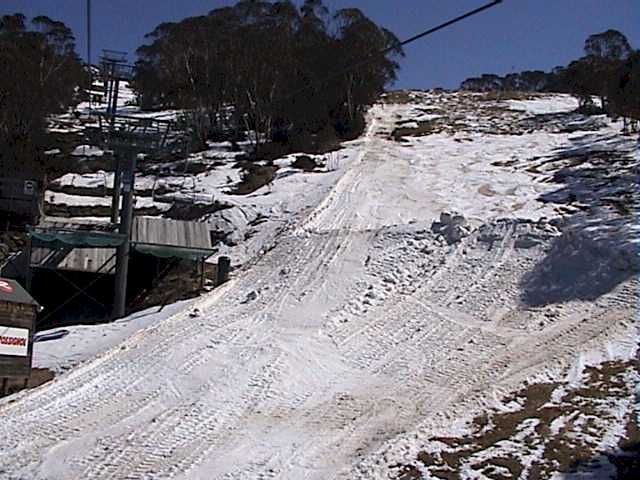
{"type": "Point", "coordinates": [360, 325]}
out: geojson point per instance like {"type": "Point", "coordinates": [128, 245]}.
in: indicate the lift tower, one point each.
{"type": "Point", "coordinates": [127, 136]}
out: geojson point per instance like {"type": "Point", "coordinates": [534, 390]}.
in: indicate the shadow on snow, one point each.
{"type": "Point", "coordinates": [600, 244]}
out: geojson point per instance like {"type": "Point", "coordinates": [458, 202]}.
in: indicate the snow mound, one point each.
{"type": "Point", "coordinates": [87, 151]}
{"type": "Point", "coordinates": [545, 105]}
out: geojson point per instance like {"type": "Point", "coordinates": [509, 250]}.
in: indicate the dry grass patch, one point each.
{"type": "Point", "coordinates": [550, 435]}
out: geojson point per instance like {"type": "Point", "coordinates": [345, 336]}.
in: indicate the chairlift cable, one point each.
{"type": "Point", "coordinates": [391, 48]}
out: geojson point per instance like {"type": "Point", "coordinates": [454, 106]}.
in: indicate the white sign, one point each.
{"type": "Point", "coordinates": [29, 187]}
{"type": "Point", "coordinates": [14, 341]}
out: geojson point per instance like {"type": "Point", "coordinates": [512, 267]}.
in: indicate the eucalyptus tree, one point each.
{"type": "Point", "coordinates": [42, 75]}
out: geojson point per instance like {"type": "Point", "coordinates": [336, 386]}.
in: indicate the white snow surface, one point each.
{"type": "Point", "coordinates": [355, 335]}
{"type": "Point", "coordinates": [85, 342]}
{"type": "Point", "coordinates": [546, 104]}
{"type": "Point", "coordinates": [87, 151]}
{"type": "Point", "coordinates": [63, 199]}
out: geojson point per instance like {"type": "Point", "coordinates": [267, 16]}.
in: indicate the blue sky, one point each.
{"type": "Point", "coordinates": [516, 35]}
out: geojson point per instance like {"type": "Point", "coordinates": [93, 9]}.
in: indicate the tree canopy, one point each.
{"type": "Point", "coordinates": [44, 74]}
{"type": "Point", "coordinates": [609, 69]}
{"type": "Point", "coordinates": [268, 67]}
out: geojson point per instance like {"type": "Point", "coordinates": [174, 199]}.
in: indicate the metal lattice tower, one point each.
{"type": "Point", "coordinates": [127, 136]}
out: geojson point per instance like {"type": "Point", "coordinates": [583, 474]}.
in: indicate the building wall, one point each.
{"type": "Point", "coordinates": [20, 198]}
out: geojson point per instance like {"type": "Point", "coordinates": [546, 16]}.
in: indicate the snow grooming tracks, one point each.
{"type": "Point", "coordinates": [485, 366]}
{"type": "Point", "coordinates": [330, 212]}
{"type": "Point", "coordinates": [176, 440]}
{"type": "Point", "coordinates": [98, 393]}
{"type": "Point", "coordinates": [355, 336]}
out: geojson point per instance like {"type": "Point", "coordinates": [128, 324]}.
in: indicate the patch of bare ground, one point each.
{"type": "Point", "coordinates": [70, 211]}
{"type": "Point", "coordinates": [426, 127]}
{"type": "Point", "coordinates": [193, 211]}
{"type": "Point", "coordinates": [499, 96]}
{"type": "Point", "coordinates": [304, 163]}
{"type": "Point", "coordinates": [487, 191]}
{"type": "Point", "coordinates": [549, 428]}
{"type": "Point", "coordinates": [409, 472]}
{"type": "Point", "coordinates": [254, 176]}
{"type": "Point", "coordinates": [400, 97]}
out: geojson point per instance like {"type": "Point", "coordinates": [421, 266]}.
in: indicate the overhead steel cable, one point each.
{"type": "Point", "coordinates": [391, 48]}
{"type": "Point", "coordinates": [447, 24]}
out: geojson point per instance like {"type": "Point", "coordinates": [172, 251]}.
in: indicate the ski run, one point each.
{"type": "Point", "coordinates": [464, 248]}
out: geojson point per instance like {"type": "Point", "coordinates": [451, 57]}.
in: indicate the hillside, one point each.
{"type": "Point", "coordinates": [451, 295]}
{"type": "Point", "coordinates": [219, 185]}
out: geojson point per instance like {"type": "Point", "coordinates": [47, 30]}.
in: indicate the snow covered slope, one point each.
{"type": "Point", "coordinates": [361, 332]}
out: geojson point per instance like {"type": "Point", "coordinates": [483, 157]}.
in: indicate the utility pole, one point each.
{"type": "Point", "coordinates": [122, 197]}
{"type": "Point", "coordinates": [126, 223]}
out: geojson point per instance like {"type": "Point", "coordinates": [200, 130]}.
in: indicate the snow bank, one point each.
{"type": "Point", "coordinates": [87, 151]}
{"type": "Point", "coordinates": [545, 105]}
{"type": "Point", "coordinates": [85, 342]}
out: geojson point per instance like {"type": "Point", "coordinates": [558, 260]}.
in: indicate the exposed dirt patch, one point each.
{"type": "Point", "coordinates": [193, 211]}
{"type": "Point", "coordinates": [100, 191]}
{"type": "Point", "coordinates": [305, 163]}
{"type": "Point", "coordinates": [67, 211]}
{"type": "Point", "coordinates": [550, 428]}
{"type": "Point", "coordinates": [426, 127]}
{"type": "Point", "coordinates": [506, 95]}
{"type": "Point", "coordinates": [400, 97]}
{"type": "Point", "coordinates": [627, 459]}
{"type": "Point", "coordinates": [410, 472]}
{"type": "Point", "coordinates": [254, 177]}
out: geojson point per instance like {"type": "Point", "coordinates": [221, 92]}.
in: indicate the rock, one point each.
{"type": "Point", "coordinates": [527, 241]}
{"type": "Point", "coordinates": [455, 231]}
{"type": "Point", "coordinates": [251, 296]}
{"type": "Point", "coordinates": [452, 227]}
{"type": "Point", "coordinates": [436, 227]}
{"type": "Point", "coordinates": [445, 218]}
{"type": "Point", "coordinates": [458, 221]}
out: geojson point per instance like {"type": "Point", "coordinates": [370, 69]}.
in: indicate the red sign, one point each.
{"type": "Point", "coordinates": [5, 287]}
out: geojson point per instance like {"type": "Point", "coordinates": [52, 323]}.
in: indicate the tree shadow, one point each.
{"type": "Point", "coordinates": [600, 244]}
{"type": "Point", "coordinates": [562, 122]}
{"type": "Point", "coordinates": [619, 464]}
{"type": "Point", "coordinates": [575, 270]}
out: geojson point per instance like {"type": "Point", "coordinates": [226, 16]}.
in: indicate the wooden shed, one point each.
{"type": "Point", "coordinates": [17, 326]}
{"type": "Point", "coordinates": [73, 247]}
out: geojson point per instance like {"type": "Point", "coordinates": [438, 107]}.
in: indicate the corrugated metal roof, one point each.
{"type": "Point", "coordinates": [146, 230]}
{"type": "Point", "coordinates": [163, 231]}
